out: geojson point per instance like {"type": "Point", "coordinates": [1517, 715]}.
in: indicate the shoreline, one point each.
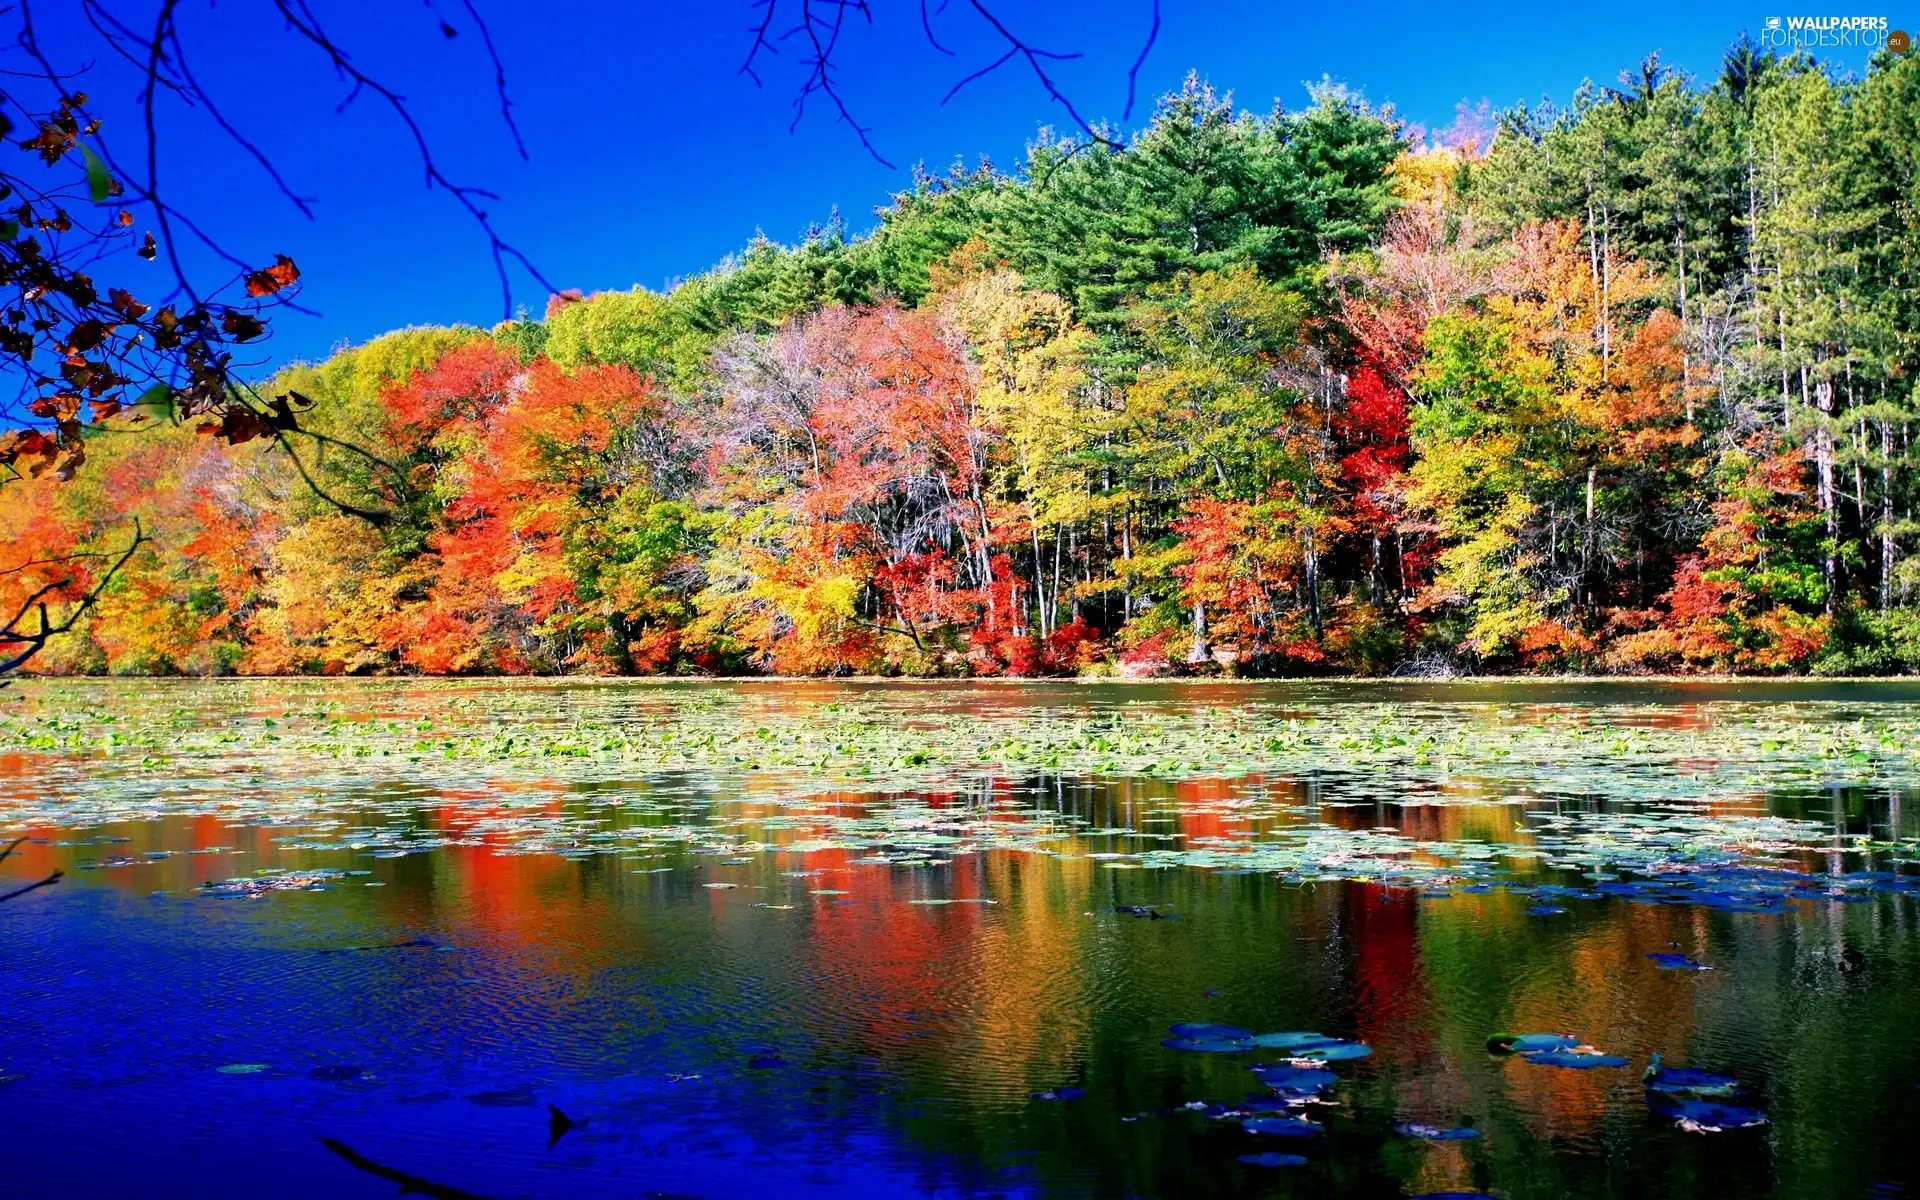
{"type": "Point", "coordinates": [1009, 681]}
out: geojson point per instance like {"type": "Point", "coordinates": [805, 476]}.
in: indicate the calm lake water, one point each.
{"type": "Point", "coordinates": [928, 939]}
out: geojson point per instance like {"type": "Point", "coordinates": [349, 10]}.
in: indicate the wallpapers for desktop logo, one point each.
{"type": "Point", "coordinates": [1812, 33]}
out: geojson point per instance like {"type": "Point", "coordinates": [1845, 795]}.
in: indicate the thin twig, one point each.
{"type": "Point", "coordinates": [370, 516]}
{"type": "Point", "coordinates": [500, 76]}
{"type": "Point", "coordinates": [307, 26]}
{"type": "Point", "coordinates": [11, 635]}
{"type": "Point", "coordinates": [1133, 75]}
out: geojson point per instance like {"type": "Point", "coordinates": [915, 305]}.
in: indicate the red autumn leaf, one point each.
{"type": "Point", "coordinates": [86, 335]}
{"type": "Point", "coordinates": [268, 280]}
{"type": "Point", "coordinates": [241, 326]}
{"type": "Point", "coordinates": [123, 301]}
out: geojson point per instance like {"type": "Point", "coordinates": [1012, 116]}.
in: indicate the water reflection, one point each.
{"type": "Point", "coordinates": [905, 1005]}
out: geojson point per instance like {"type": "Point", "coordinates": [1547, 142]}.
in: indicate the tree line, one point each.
{"type": "Point", "coordinates": [1620, 386]}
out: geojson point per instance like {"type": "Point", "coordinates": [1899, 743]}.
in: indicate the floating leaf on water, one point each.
{"type": "Point", "coordinates": [1295, 1080]}
{"type": "Point", "coordinates": [1271, 1159]}
{"type": "Point", "coordinates": [718, 886]}
{"type": "Point", "coordinates": [1689, 1080]}
{"type": "Point", "coordinates": [1521, 1043]}
{"type": "Point", "coordinates": [247, 1068]}
{"type": "Point", "coordinates": [1289, 1041]}
{"type": "Point", "coordinates": [1283, 1126]}
{"type": "Point", "coordinates": [1333, 1051]}
{"type": "Point", "coordinates": [1678, 962]}
{"type": "Point", "coordinates": [1068, 1093]}
{"type": "Point", "coordinates": [1573, 1059]}
{"type": "Point", "coordinates": [1546, 910]}
{"type": "Point", "coordinates": [1201, 1030]}
{"type": "Point", "coordinates": [1437, 1133]}
{"type": "Point", "coordinates": [1704, 1116]}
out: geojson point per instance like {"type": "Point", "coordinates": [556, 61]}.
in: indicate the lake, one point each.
{"type": "Point", "coordinates": [932, 939]}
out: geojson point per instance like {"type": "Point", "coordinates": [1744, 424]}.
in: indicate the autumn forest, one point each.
{"type": "Point", "coordinates": [1624, 386]}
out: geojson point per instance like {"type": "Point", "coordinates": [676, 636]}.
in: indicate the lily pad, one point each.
{"type": "Point", "coordinates": [1678, 962]}
{"type": "Point", "coordinates": [1524, 1043]}
{"type": "Point", "coordinates": [1286, 1078]}
{"type": "Point", "coordinates": [1283, 1126]}
{"type": "Point", "coordinates": [1333, 1051]}
{"type": "Point", "coordinates": [1573, 1059]}
{"type": "Point", "coordinates": [1687, 1080]}
{"type": "Point", "coordinates": [1290, 1041]}
{"type": "Point", "coordinates": [1202, 1031]}
{"type": "Point", "coordinates": [1436, 1133]}
{"type": "Point", "coordinates": [244, 1068]}
{"type": "Point", "coordinates": [1704, 1116]}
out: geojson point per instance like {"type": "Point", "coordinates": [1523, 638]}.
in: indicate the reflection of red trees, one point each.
{"type": "Point", "coordinates": [1391, 1003]}
{"type": "Point", "coordinates": [886, 961]}
{"type": "Point", "coordinates": [1199, 821]}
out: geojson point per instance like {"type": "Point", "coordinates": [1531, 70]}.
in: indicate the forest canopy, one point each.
{"type": "Point", "coordinates": [1624, 386]}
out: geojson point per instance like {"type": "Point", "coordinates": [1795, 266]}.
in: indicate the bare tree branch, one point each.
{"type": "Point", "coordinates": [34, 640]}
{"type": "Point", "coordinates": [56, 877]}
{"type": "Point", "coordinates": [300, 19]}
{"type": "Point", "coordinates": [410, 1185]}
{"type": "Point", "coordinates": [1133, 74]}
{"type": "Point", "coordinates": [822, 30]}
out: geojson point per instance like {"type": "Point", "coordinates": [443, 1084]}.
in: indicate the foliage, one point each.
{"type": "Point", "coordinates": [1626, 387]}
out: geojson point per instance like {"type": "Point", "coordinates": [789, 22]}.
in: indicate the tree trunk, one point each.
{"type": "Point", "coordinates": [1312, 565]}
{"type": "Point", "coordinates": [1823, 459]}
{"type": "Point", "coordinates": [1200, 651]}
{"type": "Point", "coordinates": [1587, 546]}
{"type": "Point", "coordinates": [1886, 518]}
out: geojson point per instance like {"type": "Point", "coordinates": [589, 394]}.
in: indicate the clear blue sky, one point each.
{"type": "Point", "coordinates": [652, 157]}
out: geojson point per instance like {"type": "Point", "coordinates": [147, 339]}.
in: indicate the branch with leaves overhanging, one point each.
{"type": "Point", "coordinates": [33, 623]}
{"type": "Point", "coordinates": [81, 351]}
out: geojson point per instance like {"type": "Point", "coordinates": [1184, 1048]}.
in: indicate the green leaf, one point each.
{"type": "Point", "coordinates": [9, 230]}
{"type": "Point", "coordinates": [157, 396]}
{"type": "Point", "coordinates": [99, 180]}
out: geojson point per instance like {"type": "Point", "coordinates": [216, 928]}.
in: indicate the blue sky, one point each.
{"type": "Point", "coordinates": [651, 156]}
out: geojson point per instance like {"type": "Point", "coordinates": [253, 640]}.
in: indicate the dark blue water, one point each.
{"type": "Point", "coordinates": [811, 1030]}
